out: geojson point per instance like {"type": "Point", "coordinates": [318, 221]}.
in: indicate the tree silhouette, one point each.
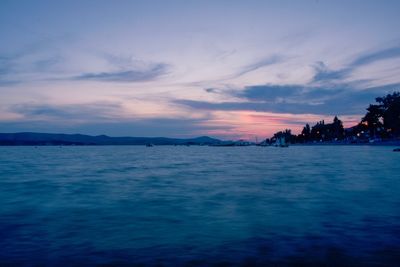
{"type": "Point", "coordinates": [381, 120]}
{"type": "Point", "coordinates": [390, 106]}
{"type": "Point", "coordinates": [373, 120]}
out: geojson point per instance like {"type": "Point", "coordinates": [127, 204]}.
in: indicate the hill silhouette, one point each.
{"type": "Point", "coordinates": [36, 139]}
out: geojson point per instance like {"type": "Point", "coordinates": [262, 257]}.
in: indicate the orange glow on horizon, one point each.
{"type": "Point", "coordinates": [250, 125]}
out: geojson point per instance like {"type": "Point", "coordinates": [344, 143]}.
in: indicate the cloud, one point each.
{"type": "Point", "coordinates": [215, 91]}
{"type": "Point", "coordinates": [7, 68]}
{"type": "Point", "coordinates": [371, 57]}
{"type": "Point", "coordinates": [329, 93]}
{"type": "Point", "coordinates": [102, 118]}
{"type": "Point", "coordinates": [275, 59]}
{"type": "Point", "coordinates": [42, 49]}
{"type": "Point", "coordinates": [46, 63]}
{"type": "Point", "coordinates": [149, 74]}
{"type": "Point", "coordinates": [269, 92]}
{"type": "Point", "coordinates": [297, 100]}
{"type": "Point", "coordinates": [294, 108]}
{"type": "Point", "coordinates": [324, 74]}
{"type": "Point", "coordinates": [73, 112]}
{"type": "Point", "coordinates": [14, 68]}
{"type": "Point", "coordinates": [7, 64]}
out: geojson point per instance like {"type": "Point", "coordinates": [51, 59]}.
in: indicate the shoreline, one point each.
{"type": "Point", "coordinates": [392, 144]}
{"type": "Point", "coordinates": [380, 143]}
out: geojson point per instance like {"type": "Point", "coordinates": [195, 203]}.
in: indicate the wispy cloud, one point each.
{"type": "Point", "coordinates": [14, 67]}
{"type": "Point", "coordinates": [7, 64]}
{"type": "Point", "coordinates": [324, 74]}
{"type": "Point", "coordinates": [237, 72]}
{"type": "Point", "coordinates": [150, 74]}
{"type": "Point", "coordinates": [46, 63]}
{"type": "Point", "coordinates": [275, 59]}
{"type": "Point", "coordinates": [73, 112]}
{"type": "Point", "coordinates": [7, 68]}
{"type": "Point", "coordinates": [38, 57]}
{"type": "Point", "coordinates": [374, 56]}
{"type": "Point", "coordinates": [126, 69]}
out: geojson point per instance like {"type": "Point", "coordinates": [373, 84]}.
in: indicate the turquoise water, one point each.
{"type": "Point", "coordinates": [199, 206]}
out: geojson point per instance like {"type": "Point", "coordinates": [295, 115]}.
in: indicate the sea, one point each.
{"type": "Point", "coordinates": [199, 206]}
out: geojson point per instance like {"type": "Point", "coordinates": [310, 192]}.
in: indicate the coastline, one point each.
{"type": "Point", "coordinates": [377, 143]}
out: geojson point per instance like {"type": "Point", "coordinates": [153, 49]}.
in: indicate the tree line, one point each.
{"type": "Point", "coordinates": [382, 121]}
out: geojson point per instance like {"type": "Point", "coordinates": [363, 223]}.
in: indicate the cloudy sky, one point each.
{"type": "Point", "coordinates": [229, 69]}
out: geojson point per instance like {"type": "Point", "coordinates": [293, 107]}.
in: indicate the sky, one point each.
{"type": "Point", "coordinates": [227, 69]}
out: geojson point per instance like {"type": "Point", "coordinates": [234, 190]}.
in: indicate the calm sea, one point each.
{"type": "Point", "coordinates": [199, 206]}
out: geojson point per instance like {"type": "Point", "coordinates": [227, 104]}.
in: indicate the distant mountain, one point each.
{"type": "Point", "coordinates": [38, 139]}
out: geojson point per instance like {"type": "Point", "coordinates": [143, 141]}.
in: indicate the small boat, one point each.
{"type": "Point", "coordinates": [396, 150]}
{"type": "Point", "coordinates": [149, 145]}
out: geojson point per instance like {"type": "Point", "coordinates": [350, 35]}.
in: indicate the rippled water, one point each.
{"type": "Point", "coordinates": [200, 206]}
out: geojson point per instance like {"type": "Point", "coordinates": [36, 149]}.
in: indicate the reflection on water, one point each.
{"type": "Point", "coordinates": [199, 206]}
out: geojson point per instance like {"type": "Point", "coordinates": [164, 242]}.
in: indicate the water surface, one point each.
{"type": "Point", "coordinates": [200, 206]}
